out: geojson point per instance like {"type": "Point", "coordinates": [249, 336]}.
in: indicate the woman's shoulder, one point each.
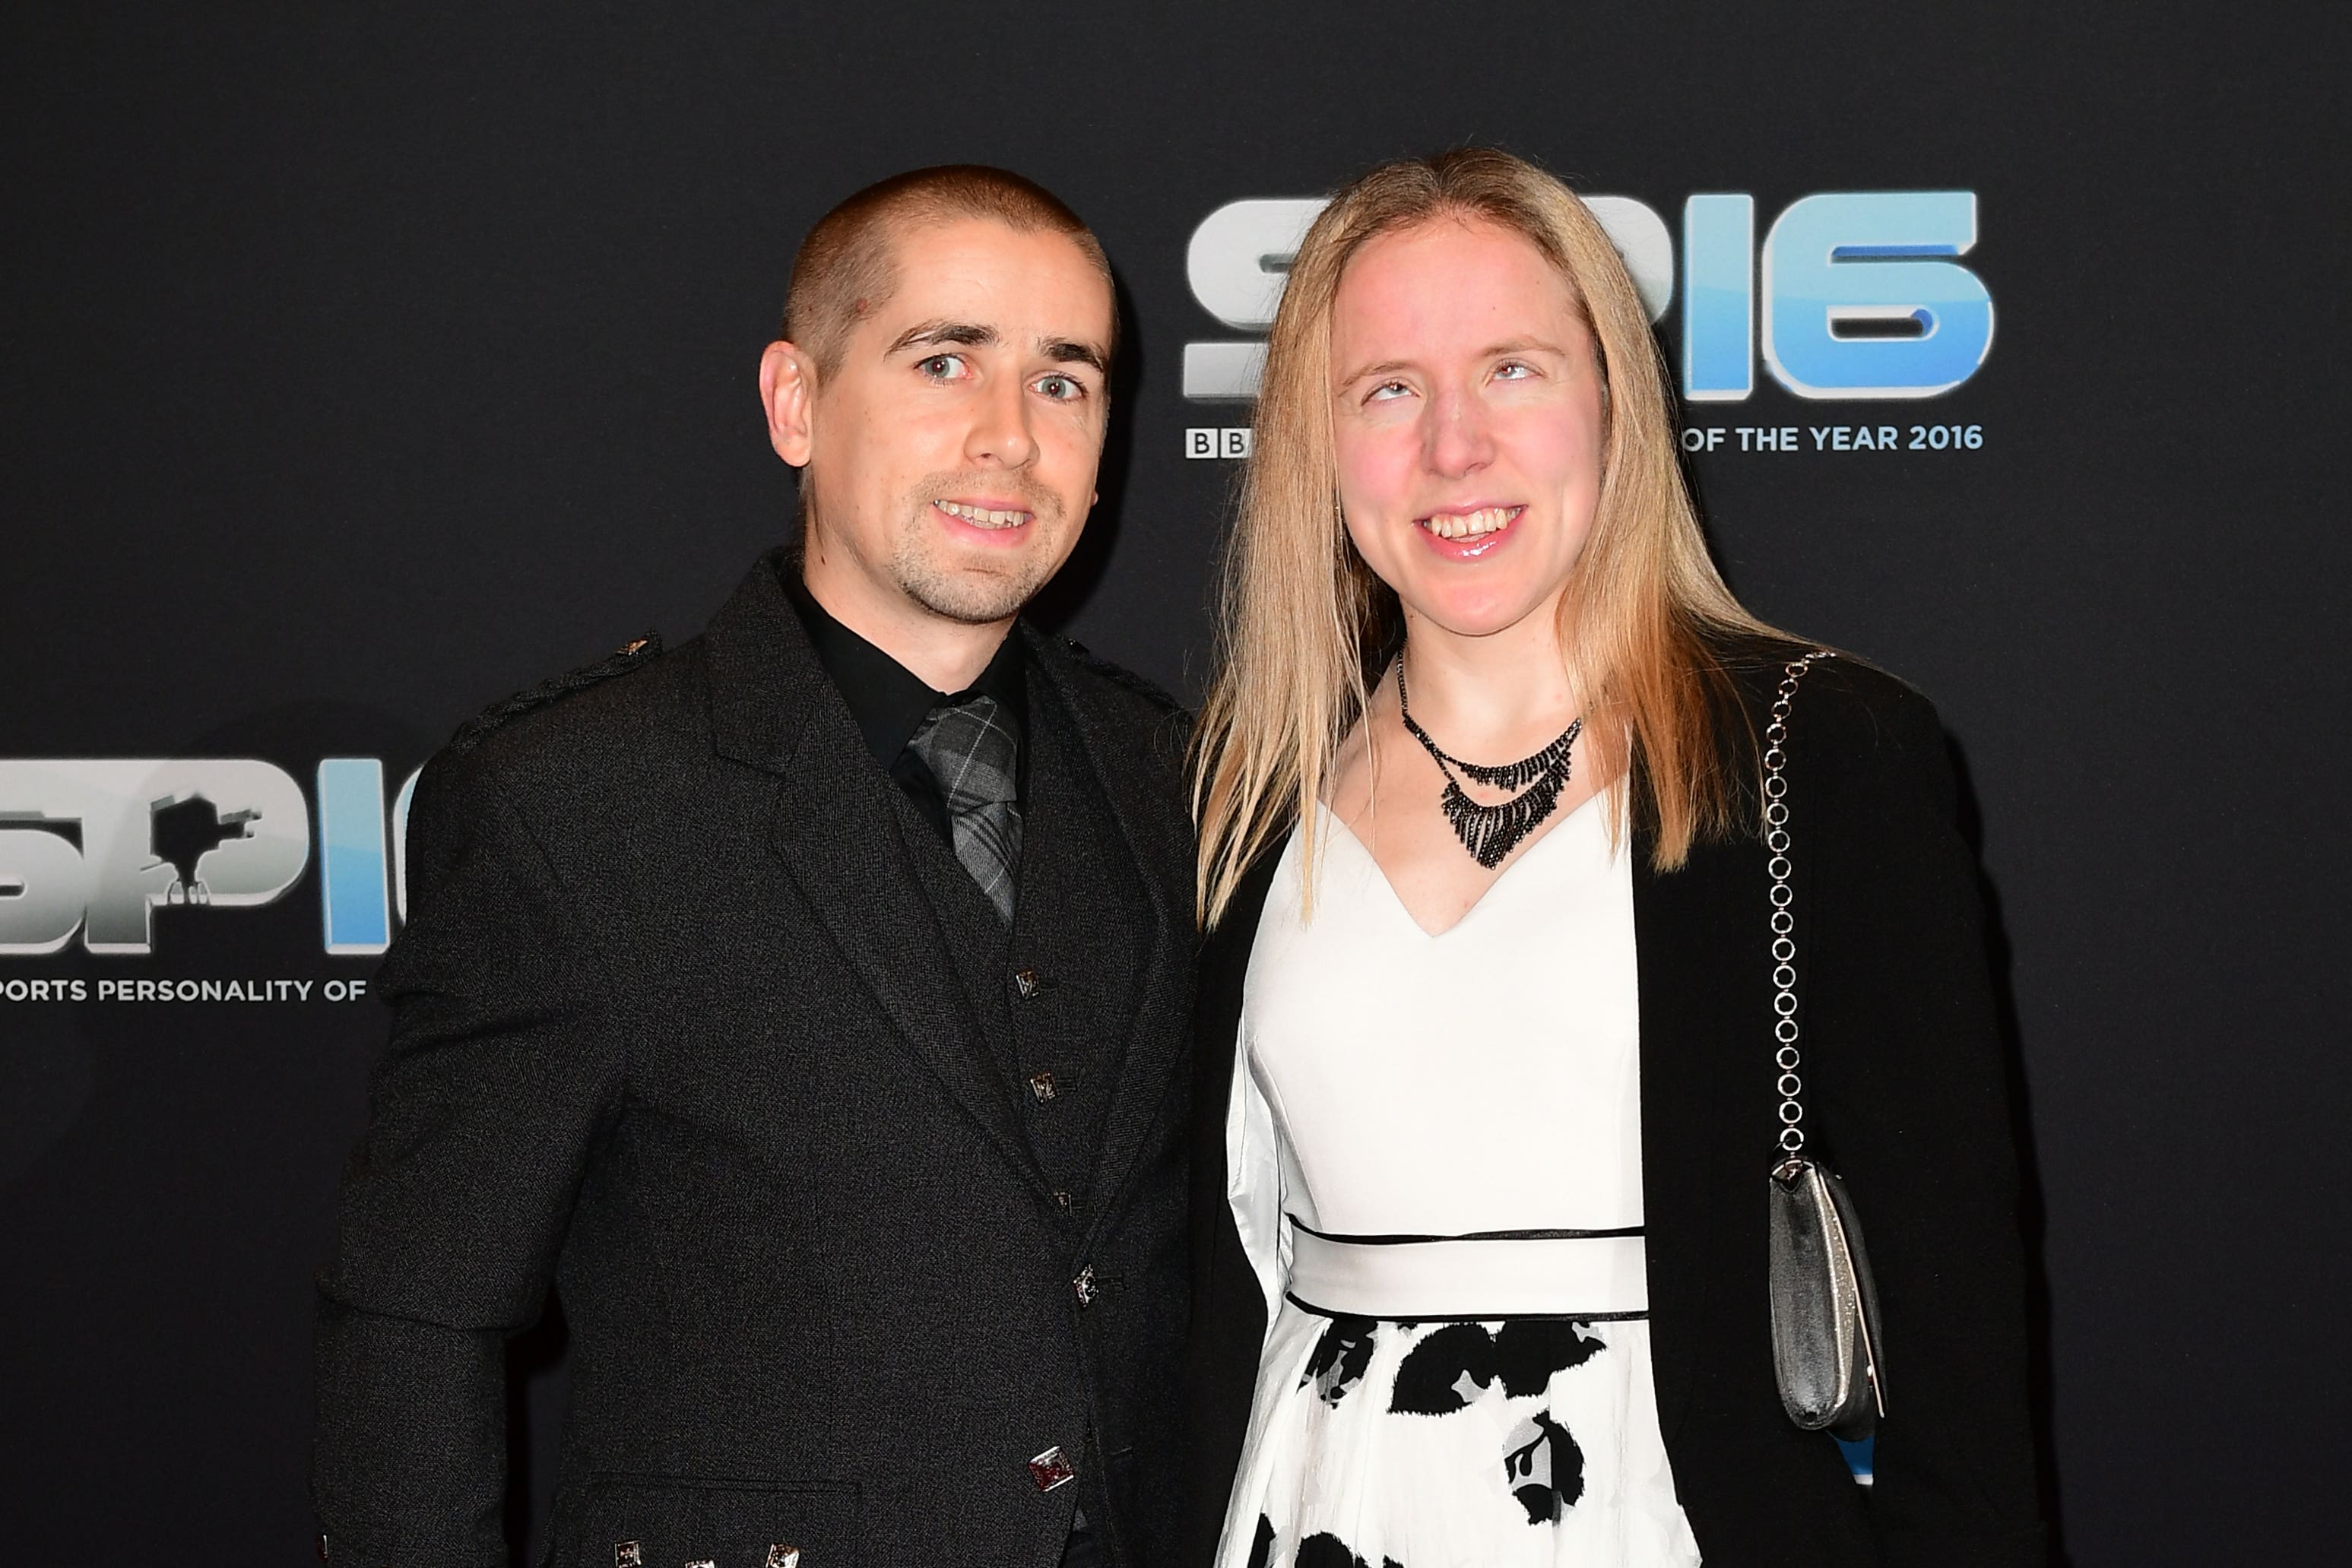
{"type": "Point", "coordinates": [1850, 719]}
{"type": "Point", "coordinates": [1846, 687]}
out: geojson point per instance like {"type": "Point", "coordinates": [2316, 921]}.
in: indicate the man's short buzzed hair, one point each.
{"type": "Point", "coordinates": [845, 270]}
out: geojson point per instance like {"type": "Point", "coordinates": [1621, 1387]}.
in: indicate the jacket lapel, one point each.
{"type": "Point", "coordinates": [1672, 1185]}
{"type": "Point", "coordinates": [836, 835]}
{"type": "Point", "coordinates": [1706, 1077]}
{"type": "Point", "coordinates": [1135, 792]}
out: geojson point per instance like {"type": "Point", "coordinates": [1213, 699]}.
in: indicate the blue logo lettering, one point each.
{"type": "Point", "coordinates": [1860, 302]}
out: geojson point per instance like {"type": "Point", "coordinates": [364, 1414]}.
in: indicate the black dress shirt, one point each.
{"type": "Point", "coordinates": [888, 702]}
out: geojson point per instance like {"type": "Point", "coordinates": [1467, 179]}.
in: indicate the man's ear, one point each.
{"type": "Point", "coordinates": [788, 392]}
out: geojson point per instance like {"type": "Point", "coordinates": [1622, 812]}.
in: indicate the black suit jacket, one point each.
{"type": "Point", "coordinates": [1907, 1098]}
{"type": "Point", "coordinates": [676, 1031]}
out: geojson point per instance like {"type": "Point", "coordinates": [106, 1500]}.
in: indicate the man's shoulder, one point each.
{"type": "Point", "coordinates": [1121, 691]}
{"type": "Point", "coordinates": [625, 705]}
{"type": "Point", "coordinates": [637, 654]}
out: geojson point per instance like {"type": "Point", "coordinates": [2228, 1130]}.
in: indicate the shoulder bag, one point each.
{"type": "Point", "coordinates": [1826, 1348]}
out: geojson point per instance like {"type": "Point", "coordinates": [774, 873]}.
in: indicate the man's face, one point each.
{"type": "Point", "coordinates": [951, 455]}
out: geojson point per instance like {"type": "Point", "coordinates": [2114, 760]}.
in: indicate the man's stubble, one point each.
{"type": "Point", "coordinates": [974, 597]}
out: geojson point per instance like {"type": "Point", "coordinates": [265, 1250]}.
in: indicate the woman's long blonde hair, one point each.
{"type": "Point", "coordinates": [1301, 615]}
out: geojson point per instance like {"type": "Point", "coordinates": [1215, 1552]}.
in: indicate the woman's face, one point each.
{"type": "Point", "coordinates": [1467, 413]}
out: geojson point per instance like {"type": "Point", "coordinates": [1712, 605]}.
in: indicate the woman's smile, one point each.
{"type": "Point", "coordinates": [1469, 533]}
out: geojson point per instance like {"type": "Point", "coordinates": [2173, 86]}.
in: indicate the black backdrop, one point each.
{"type": "Point", "coordinates": [363, 365]}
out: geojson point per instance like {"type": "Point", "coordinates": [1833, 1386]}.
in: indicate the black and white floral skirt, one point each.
{"type": "Point", "coordinates": [1506, 1444]}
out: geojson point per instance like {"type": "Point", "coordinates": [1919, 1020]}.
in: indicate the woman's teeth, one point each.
{"type": "Point", "coordinates": [981, 516]}
{"type": "Point", "coordinates": [1470, 525]}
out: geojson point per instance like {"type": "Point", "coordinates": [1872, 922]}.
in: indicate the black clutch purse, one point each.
{"type": "Point", "coordinates": [1826, 1346]}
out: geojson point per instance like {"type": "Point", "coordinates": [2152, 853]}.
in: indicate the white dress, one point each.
{"type": "Point", "coordinates": [1435, 1158]}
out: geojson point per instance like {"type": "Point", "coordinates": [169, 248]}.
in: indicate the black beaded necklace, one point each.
{"type": "Point", "coordinates": [1490, 833]}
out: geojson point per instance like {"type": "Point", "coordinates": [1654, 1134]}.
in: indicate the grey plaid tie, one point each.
{"type": "Point", "coordinates": [970, 750]}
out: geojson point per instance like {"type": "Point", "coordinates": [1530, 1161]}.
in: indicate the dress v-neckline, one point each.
{"type": "Point", "coordinates": [1396, 902]}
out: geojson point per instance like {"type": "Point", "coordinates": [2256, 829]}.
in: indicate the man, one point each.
{"type": "Point", "coordinates": [806, 1003]}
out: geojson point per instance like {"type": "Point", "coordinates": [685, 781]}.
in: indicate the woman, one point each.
{"type": "Point", "coordinates": [1485, 1098]}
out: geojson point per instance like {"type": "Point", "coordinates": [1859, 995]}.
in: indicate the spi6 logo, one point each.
{"type": "Point", "coordinates": [1860, 296]}
{"type": "Point", "coordinates": [94, 845]}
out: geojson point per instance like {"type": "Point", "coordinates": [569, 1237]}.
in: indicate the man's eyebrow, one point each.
{"type": "Point", "coordinates": [930, 334]}
{"type": "Point", "coordinates": [1065, 351]}
{"type": "Point", "coordinates": [975, 335]}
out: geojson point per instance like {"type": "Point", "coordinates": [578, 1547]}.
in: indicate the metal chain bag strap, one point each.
{"type": "Point", "coordinates": [1826, 1347]}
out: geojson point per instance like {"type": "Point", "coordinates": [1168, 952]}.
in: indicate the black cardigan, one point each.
{"type": "Point", "coordinates": [1907, 1098]}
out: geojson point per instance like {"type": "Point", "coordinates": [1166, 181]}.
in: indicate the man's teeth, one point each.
{"type": "Point", "coordinates": [1469, 525]}
{"type": "Point", "coordinates": [981, 516]}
